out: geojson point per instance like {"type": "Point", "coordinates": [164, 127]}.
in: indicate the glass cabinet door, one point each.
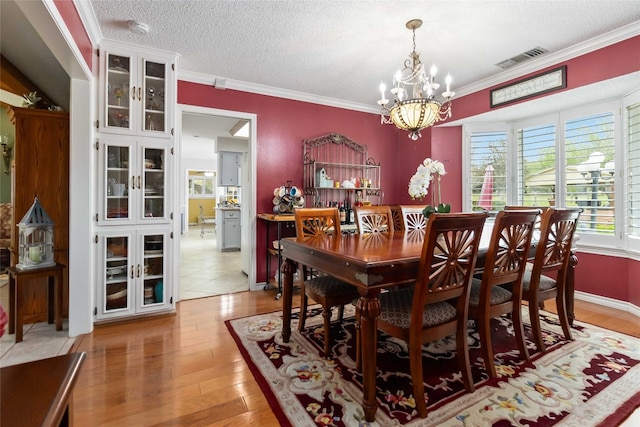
{"type": "Point", "coordinates": [154, 118]}
{"type": "Point", "coordinates": [121, 91]}
{"type": "Point", "coordinates": [154, 258]}
{"type": "Point", "coordinates": [154, 178]}
{"type": "Point", "coordinates": [117, 188]}
{"type": "Point", "coordinates": [117, 275]}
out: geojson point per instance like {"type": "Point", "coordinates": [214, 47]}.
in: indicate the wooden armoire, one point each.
{"type": "Point", "coordinates": [41, 168]}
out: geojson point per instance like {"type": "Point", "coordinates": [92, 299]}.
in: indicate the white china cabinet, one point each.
{"type": "Point", "coordinates": [136, 171]}
{"type": "Point", "coordinates": [137, 91]}
{"type": "Point", "coordinates": [134, 184]}
{"type": "Point", "coordinates": [133, 270]}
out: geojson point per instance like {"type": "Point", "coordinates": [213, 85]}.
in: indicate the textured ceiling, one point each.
{"type": "Point", "coordinates": [343, 49]}
{"type": "Point", "coordinates": [338, 50]}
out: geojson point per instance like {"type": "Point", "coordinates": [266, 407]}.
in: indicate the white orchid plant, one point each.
{"type": "Point", "coordinates": [428, 171]}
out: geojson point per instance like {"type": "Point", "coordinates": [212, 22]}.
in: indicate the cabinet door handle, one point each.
{"type": "Point", "coordinates": [133, 93]}
{"type": "Point", "coordinates": [132, 271]}
{"type": "Point", "coordinates": [133, 182]}
{"type": "Point", "coordinates": [138, 273]}
{"type": "Point", "coordinates": [139, 182]}
{"type": "Point", "coordinates": [139, 93]}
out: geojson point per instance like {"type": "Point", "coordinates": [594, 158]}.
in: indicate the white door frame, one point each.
{"type": "Point", "coordinates": [249, 203]}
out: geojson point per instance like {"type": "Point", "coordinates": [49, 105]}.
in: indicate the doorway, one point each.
{"type": "Point", "coordinates": [201, 269]}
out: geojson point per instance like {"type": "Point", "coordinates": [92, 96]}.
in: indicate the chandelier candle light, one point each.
{"type": "Point", "coordinates": [422, 110]}
{"type": "Point", "coordinates": [419, 184]}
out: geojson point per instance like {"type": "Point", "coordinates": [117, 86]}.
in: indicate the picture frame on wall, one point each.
{"type": "Point", "coordinates": [548, 81]}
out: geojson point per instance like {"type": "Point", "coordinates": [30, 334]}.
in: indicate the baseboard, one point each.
{"type": "Point", "coordinates": [258, 287]}
{"type": "Point", "coordinates": [608, 302]}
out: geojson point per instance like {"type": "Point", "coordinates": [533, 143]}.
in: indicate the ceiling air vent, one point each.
{"type": "Point", "coordinates": [525, 56]}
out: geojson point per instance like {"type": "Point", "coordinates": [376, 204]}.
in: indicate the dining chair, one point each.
{"type": "Point", "coordinates": [553, 251]}
{"type": "Point", "coordinates": [321, 288]}
{"type": "Point", "coordinates": [536, 232]}
{"type": "Point", "coordinates": [542, 209]}
{"type": "Point", "coordinates": [437, 305]}
{"type": "Point", "coordinates": [396, 214]}
{"type": "Point", "coordinates": [374, 219]}
{"type": "Point", "coordinates": [412, 217]}
{"type": "Point", "coordinates": [505, 263]}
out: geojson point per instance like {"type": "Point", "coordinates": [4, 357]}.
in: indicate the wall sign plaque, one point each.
{"type": "Point", "coordinates": [548, 81]}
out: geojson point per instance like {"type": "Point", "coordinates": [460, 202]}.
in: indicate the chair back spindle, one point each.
{"type": "Point", "coordinates": [374, 219]}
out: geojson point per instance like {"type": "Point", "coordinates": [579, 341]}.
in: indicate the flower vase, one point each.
{"type": "Point", "coordinates": [438, 206]}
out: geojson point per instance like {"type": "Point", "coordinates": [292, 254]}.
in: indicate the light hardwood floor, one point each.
{"type": "Point", "coordinates": [185, 369]}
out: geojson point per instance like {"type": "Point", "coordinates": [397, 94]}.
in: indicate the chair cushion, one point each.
{"type": "Point", "coordinates": [395, 309]}
{"type": "Point", "coordinates": [328, 285]}
{"type": "Point", "coordinates": [499, 295]}
{"type": "Point", "coordinates": [546, 282]}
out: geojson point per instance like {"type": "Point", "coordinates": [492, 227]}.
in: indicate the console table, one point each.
{"type": "Point", "coordinates": [288, 220]}
{"type": "Point", "coordinates": [38, 393]}
{"type": "Point", "coordinates": [17, 279]}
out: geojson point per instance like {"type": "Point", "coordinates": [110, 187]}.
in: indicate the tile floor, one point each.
{"type": "Point", "coordinates": [40, 340]}
{"type": "Point", "coordinates": [204, 272]}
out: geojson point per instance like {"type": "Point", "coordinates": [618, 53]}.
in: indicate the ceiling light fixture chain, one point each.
{"type": "Point", "coordinates": [423, 109]}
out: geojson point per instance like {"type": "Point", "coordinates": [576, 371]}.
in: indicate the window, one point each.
{"type": "Point", "coordinates": [201, 186]}
{"type": "Point", "coordinates": [589, 183]}
{"type": "Point", "coordinates": [633, 169]}
{"type": "Point", "coordinates": [536, 165]}
{"type": "Point", "coordinates": [488, 170]}
{"type": "Point", "coordinates": [565, 159]}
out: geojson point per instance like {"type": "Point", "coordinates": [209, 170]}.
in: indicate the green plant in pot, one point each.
{"type": "Point", "coordinates": [428, 171]}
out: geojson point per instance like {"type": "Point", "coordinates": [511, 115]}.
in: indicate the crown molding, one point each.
{"type": "Point", "coordinates": [631, 30]}
{"type": "Point", "coordinates": [259, 89]}
{"type": "Point", "coordinates": [88, 17]}
{"type": "Point", "coordinates": [595, 43]}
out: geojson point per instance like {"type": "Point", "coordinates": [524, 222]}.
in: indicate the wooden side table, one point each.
{"type": "Point", "coordinates": [16, 295]}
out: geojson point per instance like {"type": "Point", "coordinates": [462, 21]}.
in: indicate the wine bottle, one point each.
{"type": "Point", "coordinates": [343, 214]}
{"type": "Point", "coordinates": [351, 215]}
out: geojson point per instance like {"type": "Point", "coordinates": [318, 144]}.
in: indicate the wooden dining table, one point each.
{"type": "Point", "coordinates": [370, 263]}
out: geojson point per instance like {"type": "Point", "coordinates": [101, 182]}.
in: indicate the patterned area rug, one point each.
{"type": "Point", "coordinates": [591, 381]}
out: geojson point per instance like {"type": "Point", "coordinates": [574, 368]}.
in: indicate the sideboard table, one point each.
{"type": "Point", "coordinates": [17, 278]}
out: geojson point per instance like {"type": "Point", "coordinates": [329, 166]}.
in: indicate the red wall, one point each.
{"type": "Point", "coordinates": [74, 24]}
{"type": "Point", "coordinates": [602, 64]}
{"type": "Point", "coordinates": [604, 275]}
{"type": "Point", "coordinates": [282, 125]}
{"type": "Point", "coordinates": [611, 277]}
{"type": "Point", "coordinates": [632, 282]}
{"type": "Point", "coordinates": [443, 144]}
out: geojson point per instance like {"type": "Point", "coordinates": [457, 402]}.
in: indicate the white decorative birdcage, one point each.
{"type": "Point", "coordinates": [35, 239]}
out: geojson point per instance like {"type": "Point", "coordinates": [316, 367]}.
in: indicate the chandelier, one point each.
{"type": "Point", "coordinates": [422, 109]}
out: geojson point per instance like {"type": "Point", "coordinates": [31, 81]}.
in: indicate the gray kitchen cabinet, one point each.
{"type": "Point", "coordinates": [228, 224]}
{"type": "Point", "coordinates": [229, 163]}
